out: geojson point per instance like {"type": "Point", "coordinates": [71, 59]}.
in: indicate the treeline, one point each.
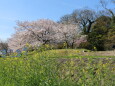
{"type": "Point", "coordinates": [99, 26]}
{"type": "Point", "coordinates": [83, 28]}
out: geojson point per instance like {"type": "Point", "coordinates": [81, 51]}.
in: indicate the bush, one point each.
{"type": "Point", "coordinates": [85, 45]}
{"type": "Point", "coordinates": [45, 47]}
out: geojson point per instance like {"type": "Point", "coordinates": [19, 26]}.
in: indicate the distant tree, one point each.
{"type": "Point", "coordinates": [69, 33]}
{"type": "Point", "coordinates": [82, 42]}
{"type": "Point", "coordinates": [84, 17]}
{"type": "Point", "coordinates": [66, 19]}
{"type": "Point", "coordinates": [3, 45]}
{"type": "Point", "coordinates": [34, 33]}
{"type": "Point", "coordinates": [99, 32]}
{"type": "Point", "coordinates": [104, 4]}
{"type": "Point", "coordinates": [111, 33]}
{"type": "Point", "coordinates": [110, 41]}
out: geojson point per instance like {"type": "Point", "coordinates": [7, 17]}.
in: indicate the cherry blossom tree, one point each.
{"type": "Point", "coordinates": [34, 33]}
{"type": "Point", "coordinates": [42, 32]}
{"type": "Point", "coordinates": [69, 33]}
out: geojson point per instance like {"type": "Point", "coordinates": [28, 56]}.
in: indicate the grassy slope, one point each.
{"type": "Point", "coordinates": [67, 68]}
{"type": "Point", "coordinates": [74, 53]}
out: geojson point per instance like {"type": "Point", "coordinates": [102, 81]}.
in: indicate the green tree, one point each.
{"type": "Point", "coordinates": [99, 32]}
{"type": "Point", "coordinates": [111, 36]}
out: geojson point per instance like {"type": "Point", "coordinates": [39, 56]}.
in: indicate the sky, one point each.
{"type": "Point", "coordinates": [30, 10]}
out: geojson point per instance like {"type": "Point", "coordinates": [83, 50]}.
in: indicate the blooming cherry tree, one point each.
{"type": "Point", "coordinates": [43, 32]}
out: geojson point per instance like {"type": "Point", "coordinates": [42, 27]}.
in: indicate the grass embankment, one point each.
{"type": "Point", "coordinates": [58, 68]}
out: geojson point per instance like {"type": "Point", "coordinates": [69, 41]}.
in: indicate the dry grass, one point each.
{"type": "Point", "coordinates": [105, 53]}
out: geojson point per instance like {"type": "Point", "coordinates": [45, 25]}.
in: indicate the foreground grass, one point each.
{"type": "Point", "coordinates": [58, 68]}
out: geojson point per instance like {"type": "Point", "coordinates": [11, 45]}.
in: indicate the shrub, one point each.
{"type": "Point", "coordinates": [85, 45]}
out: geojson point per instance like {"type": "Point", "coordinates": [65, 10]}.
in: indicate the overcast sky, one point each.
{"type": "Point", "coordinates": [12, 10]}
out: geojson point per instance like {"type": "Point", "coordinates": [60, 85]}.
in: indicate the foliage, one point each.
{"type": "Point", "coordinates": [85, 45]}
{"type": "Point", "coordinates": [3, 45]}
{"type": "Point", "coordinates": [110, 41]}
{"type": "Point", "coordinates": [99, 32]}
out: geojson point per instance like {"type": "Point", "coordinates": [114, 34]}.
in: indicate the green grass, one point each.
{"type": "Point", "coordinates": [65, 67]}
{"type": "Point", "coordinates": [68, 53]}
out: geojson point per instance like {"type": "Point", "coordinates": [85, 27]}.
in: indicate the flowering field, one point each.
{"type": "Point", "coordinates": [58, 68]}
